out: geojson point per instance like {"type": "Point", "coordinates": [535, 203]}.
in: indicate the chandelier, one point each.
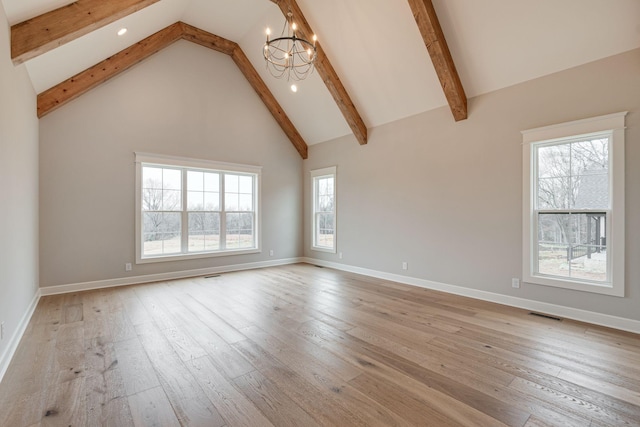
{"type": "Point", "coordinates": [288, 55]}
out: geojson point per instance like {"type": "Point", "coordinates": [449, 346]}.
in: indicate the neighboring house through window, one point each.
{"type": "Point", "coordinates": [573, 213]}
{"type": "Point", "coordinates": [188, 208]}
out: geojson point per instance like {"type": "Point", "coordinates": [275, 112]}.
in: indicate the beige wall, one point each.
{"type": "Point", "coordinates": [446, 196]}
{"type": "Point", "coordinates": [19, 192]}
{"type": "Point", "coordinates": [185, 101]}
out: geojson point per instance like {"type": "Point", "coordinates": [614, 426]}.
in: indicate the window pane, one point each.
{"type": "Point", "coordinates": [171, 200]}
{"type": "Point", "coordinates": [231, 184]}
{"type": "Point", "coordinates": [212, 182]}
{"type": "Point", "coordinates": [171, 179]}
{"type": "Point", "coordinates": [245, 202]}
{"type": "Point", "coordinates": [151, 199]}
{"type": "Point", "coordinates": [240, 231]}
{"type": "Point", "coordinates": [246, 185]}
{"type": "Point", "coordinates": [554, 161]}
{"type": "Point", "coordinates": [326, 204]}
{"type": "Point", "coordinates": [573, 245]}
{"type": "Point", "coordinates": [195, 181]}
{"type": "Point", "coordinates": [151, 177]}
{"type": "Point", "coordinates": [212, 201]}
{"type": "Point", "coordinates": [592, 191]}
{"type": "Point", "coordinates": [552, 259]}
{"type": "Point", "coordinates": [161, 233]}
{"type": "Point", "coordinates": [195, 200]}
{"type": "Point", "coordinates": [204, 231]}
{"type": "Point", "coordinates": [231, 201]}
{"type": "Point", "coordinates": [591, 156]}
{"type": "Point", "coordinates": [574, 175]}
{"type": "Point", "coordinates": [554, 193]}
{"type": "Point", "coordinates": [161, 189]}
{"type": "Point", "coordinates": [325, 230]}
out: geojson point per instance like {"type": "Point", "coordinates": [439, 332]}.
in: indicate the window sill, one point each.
{"type": "Point", "coordinates": [320, 249]}
{"type": "Point", "coordinates": [184, 257]}
{"type": "Point", "coordinates": [584, 286]}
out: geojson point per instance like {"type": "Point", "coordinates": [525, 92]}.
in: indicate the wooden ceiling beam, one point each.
{"type": "Point", "coordinates": [327, 72]}
{"type": "Point", "coordinates": [50, 30]}
{"type": "Point", "coordinates": [81, 83]}
{"type": "Point", "coordinates": [206, 39]}
{"type": "Point", "coordinates": [86, 80]}
{"type": "Point", "coordinates": [429, 26]}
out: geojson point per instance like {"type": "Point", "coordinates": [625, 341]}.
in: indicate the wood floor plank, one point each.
{"type": "Point", "coordinates": [408, 406]}
{"type": "Point", "coordinates": [223, 355]}
{"type": "Point", "coordinates": [152, 408]}
{"type": "Point", "coordinates": [66, 404]}
{"type": "Point", "coordinates": [187, 398]}
{"type": "Point", "coordinates": [137, 373]}
{"type": "Point", "coordinates": [299, 345]}
{"type": "Point", "coordinates": [325, 378]}
{"type": "Point", "coordinates": [578, 405]}
{"type": "Point", "coordinates": [234, 407]}
{"type": "Point", "coordinates": [106, 401]}
{"type": "Point", "coordinates": [297, 388]}
{"type": "Point", "coordinates": [273, 402]}
{"type": "Point", "coordinates": [121, 327]}
{"type": "Point", "coordinates": [457, 390]}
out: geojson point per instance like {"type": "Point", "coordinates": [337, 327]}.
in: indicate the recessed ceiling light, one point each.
{"type": "Point", "coordinates": [122, 31]}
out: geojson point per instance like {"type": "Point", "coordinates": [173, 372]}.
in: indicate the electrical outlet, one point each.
{"type": "Point", "coordinates": [1, 331]}
{"type": "Point", "coordinates": [405, 265]}
{"type": "Point", "coordinates": [515, 282]}
{"type": "Point", "coordinates": [127, 267]}
{"type": "Point", "coordinates": [271, 252]}
{"type": "Point", "coordinates": [340, 255]}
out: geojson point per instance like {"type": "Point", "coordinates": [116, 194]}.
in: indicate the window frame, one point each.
{"type": "Point", "coordinates": [315, 176]}
{"type": "Point", "coordinates": [188, 164]}
{"type": "Point", "coordinates": [611, 125]}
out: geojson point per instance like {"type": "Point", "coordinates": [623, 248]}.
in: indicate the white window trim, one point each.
{"type": "Point", "coordinates": [317, 173]}
{"type": "Point", "coordinates": [613, 123]}
{"type": "Point", "coordinates": [168, 161]}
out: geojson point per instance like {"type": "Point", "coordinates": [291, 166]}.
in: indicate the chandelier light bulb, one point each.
{"type": "Point", "coordinates": [122, 31]}
{"type": "Point", "coordinates": [294, 88]}
{"type": "Point", "coordinates": [294, 26]}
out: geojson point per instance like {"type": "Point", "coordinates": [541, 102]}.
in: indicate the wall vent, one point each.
{"type": "Point", "coordinates": [546, 316]}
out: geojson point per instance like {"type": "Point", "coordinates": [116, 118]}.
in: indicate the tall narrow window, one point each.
{"type": "Point", "coordinates": [324, 209]}
{"type": "Point", "coordinates": [191, 209]}
{"type": "Point", "coordinates": [574, 214]}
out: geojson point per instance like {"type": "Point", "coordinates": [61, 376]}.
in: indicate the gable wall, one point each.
{"type": "Point", "coordinates": [184, 101]}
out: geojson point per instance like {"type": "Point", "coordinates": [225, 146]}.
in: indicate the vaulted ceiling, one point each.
{"type": "Point", "coordinates": [376, 49]}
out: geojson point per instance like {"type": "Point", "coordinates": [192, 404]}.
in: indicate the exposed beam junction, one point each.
{"type": "Point", "coordinates": [86, 80]}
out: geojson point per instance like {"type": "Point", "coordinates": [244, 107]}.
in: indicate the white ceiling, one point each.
{"type": "Point", "coordinates": [375, 47]}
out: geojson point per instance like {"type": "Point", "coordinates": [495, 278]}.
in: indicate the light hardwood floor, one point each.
{"type": "Point", "coordinates": [306, 346]}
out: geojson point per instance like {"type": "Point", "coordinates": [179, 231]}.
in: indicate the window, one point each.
{"type": "Point", "coordinates": [324, 209]}
{"type": "Point", "coordinates": [188, 208]}
{"type": "Point", "coordinates": [573, 213]}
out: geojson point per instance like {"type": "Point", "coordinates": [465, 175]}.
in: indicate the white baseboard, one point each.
{"type": "Point", "coordinates": [607, 320]}
{"type": "Point", "coordinates": [8, 353]}
{"type": "Point", "coordinates": [132, 280]}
